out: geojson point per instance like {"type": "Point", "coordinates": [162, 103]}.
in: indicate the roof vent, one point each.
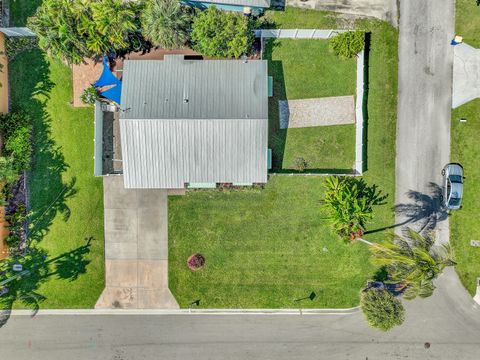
{"type": "Point", "coordinates": [185, 101]}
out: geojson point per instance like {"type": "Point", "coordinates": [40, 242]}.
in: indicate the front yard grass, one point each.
{"type": "Point", "coordinates": [467, 21]}
{"type": "Point", "coordinates": [305, 69]}
{"type": "Point", "coordinates": [66, 201]}
{"type": "Point", "coordinates": [464, 225]}
{"type": "Point", "coordinates": [263, 249]}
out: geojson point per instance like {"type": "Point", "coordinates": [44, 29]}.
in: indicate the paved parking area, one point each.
{"type": "Point", "coordinates": [136, 248]}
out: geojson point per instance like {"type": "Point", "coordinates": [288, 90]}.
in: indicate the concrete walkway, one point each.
{"type": "Point", "coordinates": [136, 248]}
{"type": "Point", "coordinates": [466, 74]}
{"type": "Point", "coordinates": [380, 9]}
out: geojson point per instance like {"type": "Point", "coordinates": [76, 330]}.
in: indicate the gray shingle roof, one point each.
{"type": "Point", "coordinates": [253, 3]}
{"type": "Point", "coordinates": [219, 135]}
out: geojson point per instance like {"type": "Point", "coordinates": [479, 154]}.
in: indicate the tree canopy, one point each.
{"type": "Point", "coordinates": [218, 33]}
{"type": "Point", "coordinates": [414, 261]}
{"type": "Point", "coordinates": [166, 23]}
{"type": "Point", "coordinates": [72, 30]}
{"type": "Point", "coordinates": [381, 309]}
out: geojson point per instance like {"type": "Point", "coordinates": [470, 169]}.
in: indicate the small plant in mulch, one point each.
{"type": "Point", "coordinates": [89, 96]}
{"type": "Point", "coordinates": [195, 262]}
{"type": "Point", "coordinates": [300, 164]}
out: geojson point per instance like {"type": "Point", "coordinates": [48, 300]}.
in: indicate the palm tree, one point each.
{"type": "Point", "coordinates": [113, 20]}
{"type": "Point", "coordinates": [413, 261]}
{"type": "Point", "coordinates": [349, 202]}
{"type": "Point", "coordinates": [165, 23]}
{"type": "Point", "coordinates": [55, 24]}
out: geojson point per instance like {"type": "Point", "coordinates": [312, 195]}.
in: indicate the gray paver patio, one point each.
{"type": "Point", "coordinates": [136, 248]}
{"type": "Point", "coordinates": [466, 74]}
{"type": "Point", "coordinates": [337, 110]}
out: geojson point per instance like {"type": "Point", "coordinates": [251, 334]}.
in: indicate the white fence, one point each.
{"type": "Point", "coordinates": [297, 33]}
{"type": "Point", "coordinates": [359, 120]}
{"type": "Point", "coordinates": [359, 127]}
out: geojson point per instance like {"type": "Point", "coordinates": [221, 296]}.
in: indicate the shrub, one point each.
{"type": "Point", "coordinates": [347, 45]}
{"type": "Point", "coordinates": [165, 23]}
{"type": "Point", "coordinates": [195, 262]}
{"type": "Point", "coordinates": [89, 96]}
{"type": "Point", "coordinates": [18, 44]}
{"type": "Point", "coordinates": [8, 172]}
{"type": "Point", "coordinates": [349, 202]}
{"type": "Point", "coordinates": [12, 121]}
{"type": "Point", "coordinates": [300, 164]}
{"type": "Point", "coordinates": [19, 146]}
{"type": "Point", "coordinates": [381, 309]}
{"type": "Point", "coordinates": [221, 34]}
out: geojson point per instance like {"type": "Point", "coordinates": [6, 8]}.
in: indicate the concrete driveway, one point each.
{"type": "Point", "coordinates": [424, 112]}
{"type": "Point", "coordinates": [466, 74]}
{"type": "Point", "coordinates": [380, 9]}
{"type": "Point", "coordinates": [136, 248]}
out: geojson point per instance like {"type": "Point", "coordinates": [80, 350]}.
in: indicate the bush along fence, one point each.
{"type": "Point", "coordinates": [15, 160]}
{"type": "Point", "coordinates": [360, 96]}
{"type": "Point", "coordinates": [15, 150]}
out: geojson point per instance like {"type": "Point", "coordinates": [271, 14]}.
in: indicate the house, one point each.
{"type": "Point", "coordinates": [183, 122]}
{"type": "Point", "coordinates": [255, 7]}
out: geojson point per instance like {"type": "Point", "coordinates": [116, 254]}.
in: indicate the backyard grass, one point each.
{"type": "Point", "coordinates": [263, 249]}
{"type": "Point", "coordinates": [305, 69]}
{"type": "Point", "coordinates": [464, 224]}
{"type": "Point", "coordinates": [66, 201]}
{"type": "Point", "coordinates": [266, 248]}
{"type": "Point", "coordinates": [324, 148]}
{"type": "Point", "coordinates": [467, 21]}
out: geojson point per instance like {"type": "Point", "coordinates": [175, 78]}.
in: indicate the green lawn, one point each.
{"type": "Point", "coordinates": [305, 69]}
{"type": "Point", "coordinates": [66, 201]}
{"type": "Point", "coordinates": [263, 249]}
{"type": "Point", "coordinates": [324, 148]}
{"type": "Point", "coordinates": [467, 21]}
{"type": "Point", "coordinates": [464, 224]}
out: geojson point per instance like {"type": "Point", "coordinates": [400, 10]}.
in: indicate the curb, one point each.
{"type": "Point", "coordinates": [90, 312]}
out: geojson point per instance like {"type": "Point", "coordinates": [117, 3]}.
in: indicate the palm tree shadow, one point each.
{"type": "Point", "coordinates": [424, 211]}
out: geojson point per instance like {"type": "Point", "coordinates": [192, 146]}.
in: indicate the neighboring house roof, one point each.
{"type": "Point", "coordinates": [252, 3]}
{"type": "Point", "coordinates": [194, 121]}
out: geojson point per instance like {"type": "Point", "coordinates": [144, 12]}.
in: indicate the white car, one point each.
{"type": "Point", "coordinates": [453, 191]}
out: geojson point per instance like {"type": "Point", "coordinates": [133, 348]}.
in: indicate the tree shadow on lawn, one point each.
{"type": "Point", "coordinates": [47, 192]}
{"type": "Point", "coordinates": [37, 270]}
{"type": "Point", "coordinates": [277, 136]}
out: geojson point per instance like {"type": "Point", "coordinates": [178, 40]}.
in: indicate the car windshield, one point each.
{"type": "Point", "coordinates": [455, 201]}
{"type": "Point", "coordinates": [456, 178]}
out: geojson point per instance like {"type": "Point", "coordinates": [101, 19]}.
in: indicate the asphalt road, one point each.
{"type": "Point", "coordinates": [424, 111]}
{"type": "Point", "coordinates": [450, 324]}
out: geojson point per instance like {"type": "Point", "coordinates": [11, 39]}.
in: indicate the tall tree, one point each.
{"type": "Point", "coordinates": [219, 33]}
{"type": "Point", "coordinates": [74, 29]}
{"type": "Point", "coordinates": [56, 25]}
{"type": "Point", "coordinates": [165, 23]}
{"type": "Point", "coordinates": [413, 261]}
